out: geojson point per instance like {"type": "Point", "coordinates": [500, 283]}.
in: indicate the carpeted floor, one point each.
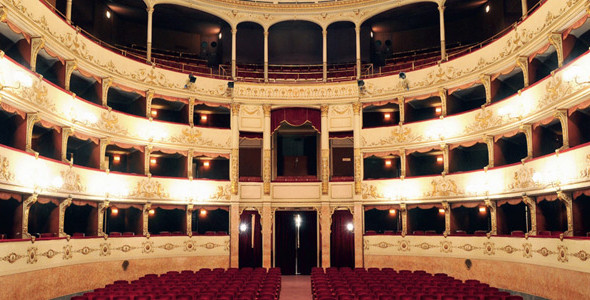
{"type": "Point", "coordinates": [295, 287]}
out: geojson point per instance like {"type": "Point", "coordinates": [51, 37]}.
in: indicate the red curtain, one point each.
{"type": "Point", "coordinates": [341, 135]}
{"type": "Point", "coordinates": [341, 240]}
{"type": "Point", "coordinates": [251, 135]}
{"type": "Point", "coordinates": [296, 117]}
{"type": "Point", "coordinates": [250, 254]}
{"type": "Point", "coordinates": [285, 242]}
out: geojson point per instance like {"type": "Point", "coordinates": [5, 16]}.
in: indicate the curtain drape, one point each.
{"type": "Point", "coordinates": [341, 240]}
{"type": "Point", "coordinates": [295, 117]}
{"type": "Point", "coordinates": [285, 241]}
{"type": "Point", "coordinates": [250, 254]}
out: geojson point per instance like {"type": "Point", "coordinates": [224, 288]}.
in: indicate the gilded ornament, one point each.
{"type": "Point", "coordinates": [527, 250]}
{"type": "Point", "coordinates": [485, 119]}
{"type": "Point", "coordinates": [489, 248]}
{"type": "Point", "coordinates": [105, 249]}
{"type": "Point", "coordinates": [371, 192]}
{"type": "Point", "coordinates": [67, 252]}
{"type": "Point", "coordinates": [32, 255]}
{"type": "Point", "coordinates": [562, 255]}
{"type": "Point", "coordinates": [399, 135]}
{"type": "Point", "coordinates": [149, 188]}
{"type": "Point", "coordinates": [444, 186]}
{"type": "Point", "coordinates": [446, 247]}
{"type": "Point", "coordinates": [109, 122]}
{"type": "Point", "coordinates": [37, 94]}
{"type": "Point", "coordinates": [72, 181]}
{"type": "Point", "coordinates": [5, 173]}
{"type": "Point", "coordinates": [522, 179]}
{"type": "Point", "coordinates": [403, 246]}
{"type": "Point", "coordinates": [582, 255]}
{"type": "Point", "coordinates": [148, 247]}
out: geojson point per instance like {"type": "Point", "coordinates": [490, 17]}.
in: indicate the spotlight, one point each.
{"type": "Point", "coordinates": [154, 113]}
{"type": "Point", "coordinates": [392, 211]}
{"type": "Point", "coordinates": [153, 161]}
{"type": "Point", "coordinates": [482, 209]}
{"type": "Point", "coordinates": [203, 212]}
{"type": "Point", "coordinates": [230, 84]}
{"type": "Point", "coordinates": [349, 227]}
{"type": "Point", "coordinates": [402, 75]}
{"type": "Point", "coordinates": [114, 211]}
{"type": "Point", "coordinates": [191, 80]}
{"type": "Point", "coordinates": [152, 212]}
{"type": "Point", "coordinates": [243, 227]}
{"type": "Point", "coordinates": [441, 211]}
{"type": "Point", "coordinates": [298, 221]}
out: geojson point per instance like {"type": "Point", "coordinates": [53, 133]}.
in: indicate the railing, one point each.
{"type": "Point", "coordinates": [406, 61]}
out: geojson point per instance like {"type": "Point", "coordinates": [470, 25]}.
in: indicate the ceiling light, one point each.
{"type": "Point", "coordinates": [108, 14]}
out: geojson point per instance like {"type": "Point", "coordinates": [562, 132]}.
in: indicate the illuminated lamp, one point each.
{"type": "Point", "coordinates": [203, 212]}
{"type": "Point", "coordinates": [243, 227]}
{"type": "Point", "coordinates": [372, 34]}
{"type": "Point", "coordinates": [387, 116]}
{"type": "Point", "coordinates": [487, 8]}
{"type": "Point", "coordinates": [482, 209]}
{"type": "Point", "coordinates": [392, 211]}
{"type": "Point", "coordinates": [152, 212]}
{"type": "Point", "coordinates": [204, 118]}
{"type": "Point", "coordinates": [117, 158]}
{"type": "Point", "coordinates": [388, 163]}
{"type": "Point", "coordinates": [349, 227]}
{"type": "Point", "coordinates": [108, 14]}
{"type": "Point", "coordinates": [154, 113]}
{"type": "Point", "coordinates": [220, 35]}
{"type": "Point", "coordinates": [206, 164]}
{"type": "Point", "coordinates": [153, 161]}
{"type": "Point", "coordinates": [439, 159]}
{"type": "Point", "coordinates": [441, 211]}
{"type": "Point", "coordinates": [438, 110]}
{"type": "Point", "coordinates": [114, 211]}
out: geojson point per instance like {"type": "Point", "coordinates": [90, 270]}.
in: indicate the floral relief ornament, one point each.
{"type": "Point", "coordinates": [522, 179]}
{"type": "Point", "coordinates": [485, 119]}
{"type": "Point", "coordinates": [371, 192]}
{"type": "Point", "coordinates": [5, 173]}
{"type": "Point", "coordinates": [149, 188]}
{"type": "Point", "coordinates": [444, 187]}
{"type": "Point", "coordinates": [72, 181]}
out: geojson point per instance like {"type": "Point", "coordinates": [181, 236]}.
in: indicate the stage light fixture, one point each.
{"type": "Point", "coordinates": [349, 227]}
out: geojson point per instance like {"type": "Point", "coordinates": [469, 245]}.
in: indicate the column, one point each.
{"type": "Point", "coordinates": [102, 208]}
{"type": "Point", "coordinates": [442, 93]}
{"type": "Point", "coordinates": [325, 231]}
{"type": "Point", "coordinates": [523, 63]}
{"type": "Point", "coordinates": [443, 47]}
{"type": "Point", "coordinates": [403, 209]}
{"type": "Point", "coordinates": [567, 201]}
{"type": "Point", "coordinates": [234, 234]}
{"type": "Point", "coordinates": [150, 11]}
{"type": "Point", "coordinates": [265, 55]}
{"type": "Point", "coordinates": [325, 54]}
{"type": "Point", "coordinates": [267, 219]}
{"type": "Point", "coordinates": [525, 9]}
{"type": "Point", "coordinates": [486, 81]}
{"type": "Point", "coordinates": [532, 209]}
{"type": "Point", "coordinates": [358, 158]}
{"type": "Point", "coordinates": [235, 150]}
{"type": "Point", "coordinates": [447, 209]}
{"type": "Point", "coordinates": [32, 118]}
{"type": "Point", "coordinates": [25, 220]}
{"type": "Point", "coordinates": [325, 146]}
{"type": "Point", "coordinates": [358, 214]}
{"type": "Point", "coordinates": [66, 132]}
{"type": "Point", "coordinates": [71, 65]}
{"type": "Point", "coordinates": [266, 168]}
{"type": "Point", "coordinates": [63, 205]}
{"type": "Point", "coordinates": [493, 217]}
{"type": "Point", "coordinates": [146, 219]}
{"type": "Point", "coordinates": [188, 217]}
{"type": "Point", "coordinates": [489, 140]}
{"type": "Point", "coordinates": [358, 51]}
{"type": "Point", "coordinates": [445, 150]}
{"type": "Point", "coordinates": [234, 32]}
{"type": "Point", "coordinates": [527, 129]}
{"type": "Point", "coordinates": [69, 11]}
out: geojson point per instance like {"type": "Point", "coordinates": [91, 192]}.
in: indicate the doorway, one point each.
{"type": "Point", "coordinates": [250, 242]}
{"type": "Point", "coordinates": [295, 241]}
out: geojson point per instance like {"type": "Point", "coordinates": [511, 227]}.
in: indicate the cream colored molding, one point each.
{"type": "Point", "coordinates": [266, 167]}
{"type": "Point", "coordinates": [527, 129]}
{"type": "Point", "coordinates": [149, 96]}
{"type": "Point", "coordinates": [26, 207]}
{"type": "Point", "coordinates": [562, 116]}
{"type": "Point", "coordinates": [189, 164]}
{"type": "Point", "coordinates": [556, 40]}
{"type": "Point", "coordinates": [147, 160]}
{"type": "Point", "coordinates": [566, 198]}
{"type": "Point", "coordinates": [102, 208]}
{"type": "Point", "coordinates": [442, 93]}
{"type": "Point", "coordinates": [403, 163]}
{"type": "Point", "coordinates": [191, 111]}
{"type": "Point", "coordinates": [32, 118]}
{"type": "Point", "coordinates": [486, 81]}
{"type": "Point", "coordinates": [445, 150]}
{"type": "Point", "coordinates": [447, 208]}
{"type": "Point", "coordinates": [63, 205]}
{"type": "Point", "coordinates": [235, 167]}
{"type": "Point", "coordinates": [189, 219]}
{"type": "Point", "coordinates": [492, 205]}
{"type": "Point", "coordinates": [325, 171]}
{"type": "Point", "coordinates": [37, 44]}
{"type": "Point", "coordinates": [358, 171]}
{"type": "Point", "coordinates": [523, 63]}
{"type": "Point", "coordinates": [66, 132]}
{"type": "Point", "coordinates": [71, 65]}
{"type": "Point", "coordinates": [145, 219]}
{"type": "Point", "coordinates": [489, 140]}
{"type": "Point", "coordinates": [404, 211]}
{"type": "Point", "coordinates": [402, 109]}
{"type": "Point", "coordinates": [105, 85]}
{"type": "Point", "coordinates": [103, 143]}
{"type": "Point", "coordinates": [532, 206]}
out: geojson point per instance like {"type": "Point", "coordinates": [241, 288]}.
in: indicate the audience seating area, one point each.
{"type": "Point", "coordinates": [389, 284]}
{"type": "Point", "coordinates": [205, 284]}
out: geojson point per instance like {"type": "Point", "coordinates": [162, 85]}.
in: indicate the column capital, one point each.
{"type": "Point", "coordinates": [357, 29]}
{"type": "Point", "coordinates": [266, 108]}
{"type": "Point", "coordinates": [324, 109]}
{"type": "Point", "coordinates": [235, 109]}
{"type": "Point", "coordinates": [357, 107]}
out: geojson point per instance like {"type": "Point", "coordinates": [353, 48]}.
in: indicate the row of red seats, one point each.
{"type": "Point", "coordinates": [388, 284]}
{"type": "Point", "coordinates": [205, 284]}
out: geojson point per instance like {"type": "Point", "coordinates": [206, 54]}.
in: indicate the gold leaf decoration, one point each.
{"type": "Point", "coordinates": [485, 119]}
{"type": "Point", "coordinates": [72, 181]}
{"type": "Point", "coordinates": [586, 172]}
{"type": "Point", "coordinates": [444, 186]}
{"type": "Point", "coordinates": [370, 191]}
{"type": "Point", "coordinates": [555, 89]}
{"type": "Point", "coordinates": [37, 94]}
{"type": "Point", "coordinates": [399, 135]}
{"type": "Point", "coordinates": [149, 188]}
{"type": "Point", "coordinates": [223, 192]}
{"type": "Point", "coordinates": [5, 173]}
{"type": "Point", "coordinates": [109, 122]}
{"type": "Point", "coordinates": [522, 179]}
{"type": "Point", "coordinates": [194, 136]}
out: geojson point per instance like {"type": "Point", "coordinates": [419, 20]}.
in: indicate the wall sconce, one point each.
{"type": "Point", "coordinates": [203, 212]}
{"type": "Point", "coordinates": [204, 118]}
{"type": "Point", "coordinates": [387, 116]}
{"type": "Point", "coordinates": [153, 161]}
{"type": "Point", "coordinates": [116, 158]}
{"type": "Point", "coordinates": [243, 227]}
{"type": "Point", "coordinates": [154, 113]}
{"type": "Point", "coordinates": [349, 227]}
{"type": "Point", "coordinates": [108, 14]}
{"type": "Point", "coordinates": [388, 163]}
{"type": "Point", "coordinates": [114, 211]}
{"type": "Point", "coordinates": [482, 209]}
{"type": "Point", "coordinates": [441, 211]}
{"type": "Point", "coordinates": [152, 212]}
{"type": "Point", "coordinates": [206, 164]}
{"type": "Point", "coordinates": [439, 159]}
{"type": "Point", "coordinates": [392, 212]}
{"type": "Point", "coordinates": [438, 110]}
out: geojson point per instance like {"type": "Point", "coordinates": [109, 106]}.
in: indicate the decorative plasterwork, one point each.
{"type": "Point", "coordinates": [5, 173]}
{"type": "Point", "coordinates": [442, 187]}
{"type": "Point", "coordinates": [37, 94]}
{"type": "Point", "coordinates": [295, 92]}
{"type": "Point", "coordinates": [109, 122]}
{"type": "Point", "coordinates": [399, 135]}
{"type": "Point", "coordinates": [555, 90]}
{"type": "Point", "coordinates": [484, 119]}
{"type": "Point", "coordinates": [223, 193]}
{"type": "Point", "coordinates": [149, 188]}
{"type": "Point", "coordinates": [370, 191]}
{"type": "Point", "coordinates": [522, 179]}
{"type": "Point", "coordinates": [194, 137]}
{"type": "Point", "coordinates": [72, 181]}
